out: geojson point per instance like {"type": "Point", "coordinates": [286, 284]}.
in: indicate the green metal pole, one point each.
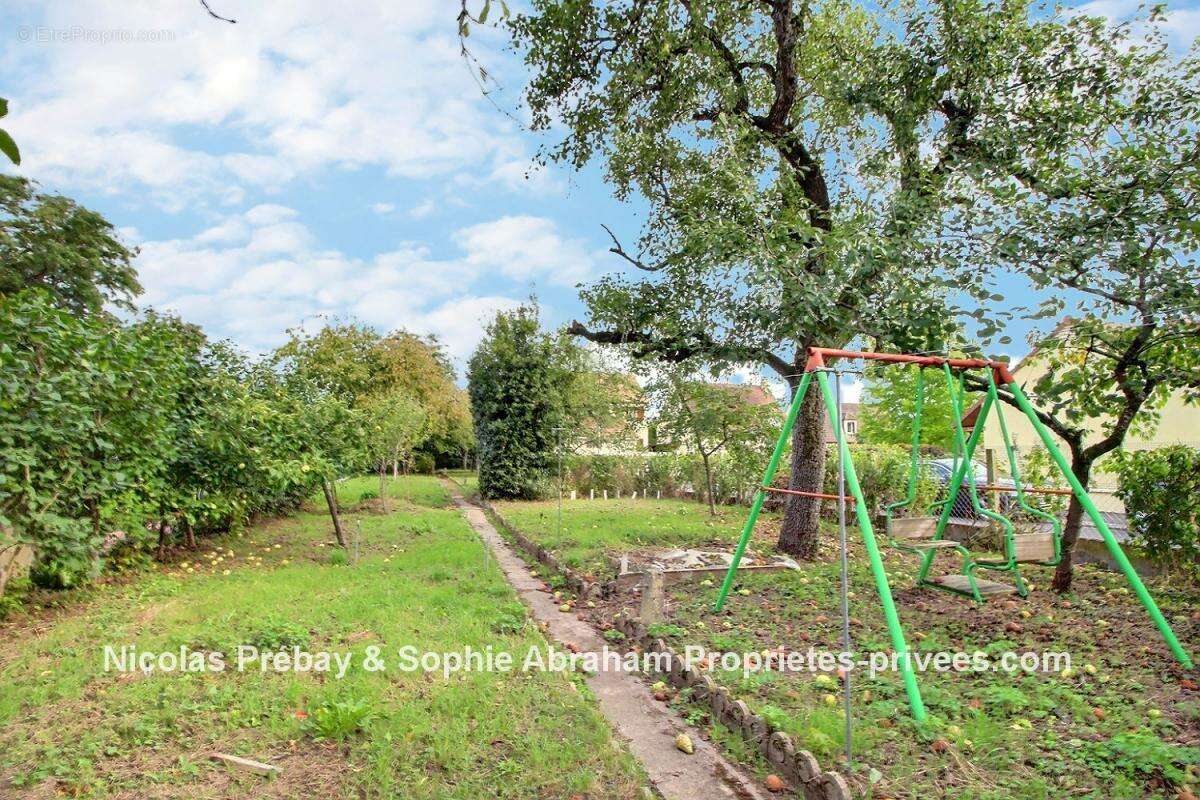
{"type": "Point", "coordinates": [1015, 470]}
{"type": "Point", "coordinates": [956, 481]}
{"type": "Point", "coordinates": [1114, 548]}
{"type": "Point", "coordinates": [914, 458]}
{"type": "Point", "coordinates": [760, 495]}
{"type": "Point", "coordinates": [881, 581]}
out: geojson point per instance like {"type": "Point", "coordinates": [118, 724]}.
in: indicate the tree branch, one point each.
{"type": "Point", "coordinates": [682, 348]}
{"type": "Point", "coordinates": [1072, 436]}
{"type": "Point", "coordinates": [215, 15]}
{"type": "Point", "coordinates": [620, 251]}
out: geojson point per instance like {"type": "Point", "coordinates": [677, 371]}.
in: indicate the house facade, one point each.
{"type": "Point", "coordinates": [1178, 423]}
{"type": "Point", "coordinates": [849, 424]}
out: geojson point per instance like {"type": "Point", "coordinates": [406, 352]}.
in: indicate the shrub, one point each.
{"type": "Point", "coordinates": [1038, 469]}
{"type": "Point", "coordinates": [1161, 493]}
{"type": "Point", "coordinates": [339, 719]}
{"type": "Point", "coordinates": [517, 384]}
{"type": "Point", "coordinates": [883, 475]}
{"type": "Point", "coordinates": [278, 634]}
{"type": "Point", "coordinates": [735, 474]}
{"type": "Point", "coordinates": [423, 463]}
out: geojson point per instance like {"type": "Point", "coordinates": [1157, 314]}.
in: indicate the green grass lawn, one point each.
{"type": "Point", "coordinates": [1120, 725]}
{"type": "Point", "coordinates": [467, 478]}
{"type": "Point", "coordinates": [69, 727]}
{"type": "Point", "coordinates": [594, 530]}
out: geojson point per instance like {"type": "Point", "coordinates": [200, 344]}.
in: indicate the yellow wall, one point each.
{"type": "Point", "coordinates": [1179, 424]}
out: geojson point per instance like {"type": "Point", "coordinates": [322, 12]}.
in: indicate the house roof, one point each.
{"type": "Point", "coordinates": [750, 393]}
{"type": "Point", "coordinates": [1066, 323]}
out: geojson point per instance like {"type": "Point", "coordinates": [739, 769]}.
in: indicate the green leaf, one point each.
{"type": "Point", "coordinates": [9, 147]}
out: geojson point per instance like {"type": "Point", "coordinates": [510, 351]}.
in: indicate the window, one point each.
{"type": "Point", "coordinates": [851, 426]}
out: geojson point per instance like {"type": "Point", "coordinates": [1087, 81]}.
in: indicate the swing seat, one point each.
{"type": "Point", "coordinates": [959, 583]}
{"type": "Point", "coordinates": [957, 528]}
{"type": "Point", "coordinates": [1033, 547]}
{"type": "Point", "coordinates": [930, 544]}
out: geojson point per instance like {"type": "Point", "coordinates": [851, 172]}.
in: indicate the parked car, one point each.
{"type": "Point", "coordinates": [942, 470]}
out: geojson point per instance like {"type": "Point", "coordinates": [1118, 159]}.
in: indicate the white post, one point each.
{"type": "Point", "coordinates": [633, 496]}
{"type": "Point", "coordinates": [572, 494]}
{"type": "Point", "coordinates": [618, 494]}
{"type": "Point", "coordinates": [658, 495]}
{"type": "Point", "coordinates": [591, 494]}
{"type": "Point", "coordinates": [606, 494]}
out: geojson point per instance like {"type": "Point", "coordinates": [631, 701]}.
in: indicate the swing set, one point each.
{"type": "Point", "coordinates": [938, 530]}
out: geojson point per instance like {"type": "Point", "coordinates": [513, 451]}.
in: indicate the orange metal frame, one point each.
{"type": "Point", "coordinates": [817, 356]}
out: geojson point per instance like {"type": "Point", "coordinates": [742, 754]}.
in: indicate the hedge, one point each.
{"type": "Point", "coordinates": [1161, 492]}
{"type": "Point", "coordinates": [882, 471]}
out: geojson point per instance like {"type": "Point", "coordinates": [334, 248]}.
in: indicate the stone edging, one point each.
{"type": "Point", "coordinates": [795, 764]}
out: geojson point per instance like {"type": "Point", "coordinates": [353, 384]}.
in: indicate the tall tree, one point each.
{"type": "Point", "coordinates": [343, 358]}
{"type": "Point", "coordinates": [711, 418]}
{"type": "Point", "coordinates": [50, 241]}
{"type": "Point", "coordinates": [889, 405]}
{"type": "Point", "coordinates": [1102, 216]}
{"type": "Point", "coordinates": [419, 367]}
{"type": "Point", "coordinates": [792, 153]}
{"type": "Point", "coordinates": [396, 424]}
{"type": "Point", "coordinates": [356, 363]}
{"type": "Point", "coordinates": [518, 380]}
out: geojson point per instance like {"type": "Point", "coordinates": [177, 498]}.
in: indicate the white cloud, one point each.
{"type": "Point", "coordinates": [254, 275]}
{"type": "Point", "coordinates": [423, 209]}
{"type": "Point", "coordinates": [269, 214]}
{"type": "Point", "coordinates": [217, 109]}
{"type": "Point", "coordinates": [527, 247]}
{"type": "Point", "coordinates": [383, 209]}
{"type": "Point", "coordinates": [1181, 25]}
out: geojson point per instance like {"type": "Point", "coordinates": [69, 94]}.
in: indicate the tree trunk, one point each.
{"type": "Point", "coordinates": [395, 468]}
{"type": "Point", "coordinates": [708, 480]}
{"type": "Point", "coordinates": [331, 501]}
{"type": "Point", "coordinates": [1081, 466]}
{"type": "Point", "coordinates": [190, 533]}
{"type": "Point", "coordinates": [94, 508]}
{"type": "Point", "coordinates": [799, 535]}
{"type": "Point", "coordinates": [382, 480]}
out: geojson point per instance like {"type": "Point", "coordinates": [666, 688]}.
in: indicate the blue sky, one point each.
{"type": "Point", "coordinates": [301, 163]}
{"type": "Point", "coordinates": [310, 160]}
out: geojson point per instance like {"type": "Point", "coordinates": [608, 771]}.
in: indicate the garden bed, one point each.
{"type": "Point", "coordinates": [1123, 722]}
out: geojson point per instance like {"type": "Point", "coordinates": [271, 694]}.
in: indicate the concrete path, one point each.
{"type": "Point", "coordinates": [648, 726]}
